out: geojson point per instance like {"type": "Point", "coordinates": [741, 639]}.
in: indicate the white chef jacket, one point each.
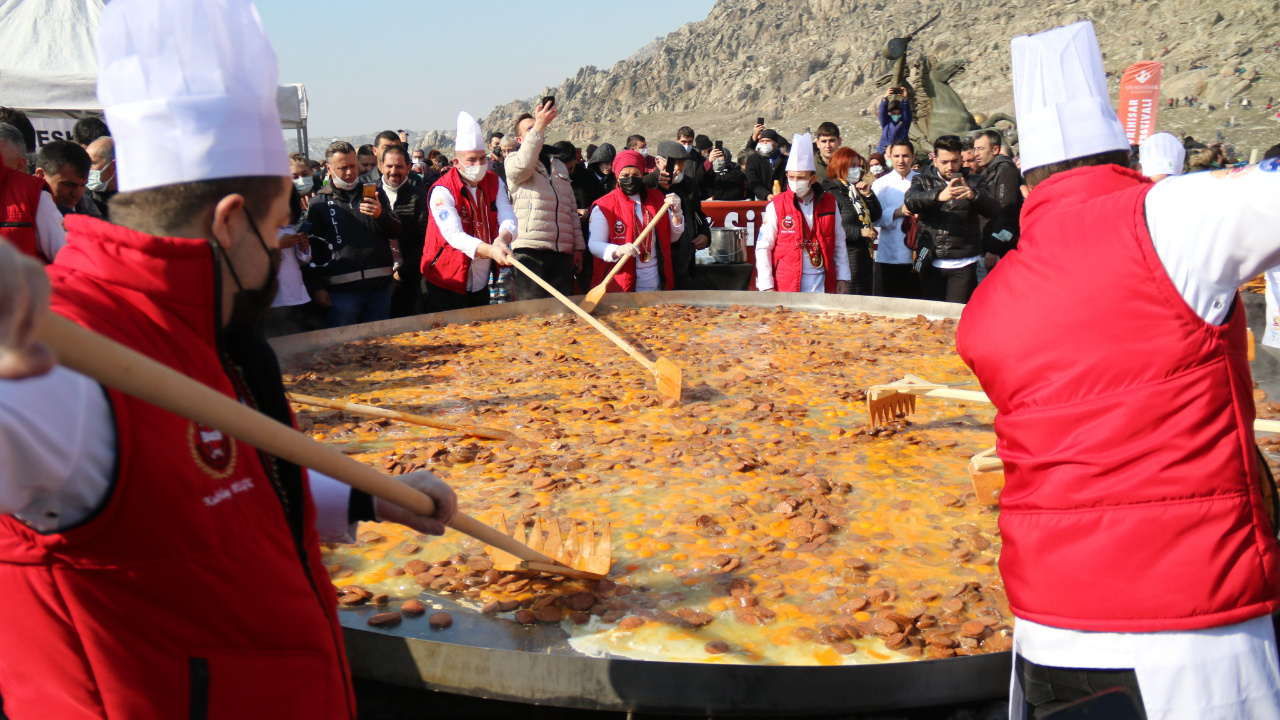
{"type": "Point", "coordinates": [647, 277]}
{"type": "Point", "coordinates": [812, 279]}
{"type": "Point", "coordinates": [50, 235]}
{"type": "Point", "coordinates": [445, 212]}
{"type": "Point", "coordinates": [891, 190]}
{"type": "Point", "coordinates": [291, 290]}
{"type": "Point", "coordinates": [1212, 231]}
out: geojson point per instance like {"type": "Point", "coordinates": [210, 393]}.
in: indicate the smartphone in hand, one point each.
{"type": "Point", "coordinates": [370, 190]}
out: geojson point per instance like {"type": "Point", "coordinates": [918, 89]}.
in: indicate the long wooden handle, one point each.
{"type": "Point", "coordinates": [114, 365]}
{"type": "Point", "coordinates": [373, 411]}
{"type": "Point", "coordinates": [586, 316]}
{"type": "Point", "coordinates": [643, 234]}
{"type": "Point", "coordinates": [946, 393]}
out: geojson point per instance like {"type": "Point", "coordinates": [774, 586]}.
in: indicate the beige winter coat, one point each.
{"type": "Point", "coordinates": [546, 211]}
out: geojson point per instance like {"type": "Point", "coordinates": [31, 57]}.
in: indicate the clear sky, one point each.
{"type": "Point", "coordinates": [388, 64]}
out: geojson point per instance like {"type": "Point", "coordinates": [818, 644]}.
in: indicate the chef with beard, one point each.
{"type": "Point", "coordinates": [136, 546]}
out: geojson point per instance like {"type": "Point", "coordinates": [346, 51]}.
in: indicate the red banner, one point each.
{"type": "Point", "coordinates": [1140, 99]}
{"type": "Point", "coordinates": [747, 214]}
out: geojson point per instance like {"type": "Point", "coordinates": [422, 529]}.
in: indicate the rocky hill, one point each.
{"type": "Point", "coordinates": [800, 62]}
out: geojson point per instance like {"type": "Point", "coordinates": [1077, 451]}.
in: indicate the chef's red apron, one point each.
{"type": "Point", "coordinates": [197, 590]}
{"type": "Point", "coordinates": [1125, 423]}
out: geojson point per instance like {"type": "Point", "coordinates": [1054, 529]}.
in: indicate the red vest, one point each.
{"type": "Point", "coordinates": [624, 227]}
{"type": "Point", "coordinates": [19, 198]}
{"type": "Point", "coordinates": [788, 249]}
{"type": "Point", "coordinates": [198, 583]}
{"type": "Point", "coordinates": [442, 264]}
{"type": "Point", "coordinates": [1125, 423]}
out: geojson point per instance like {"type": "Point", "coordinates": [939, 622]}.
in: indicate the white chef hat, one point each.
{"type": "Point", "coordinates": [1060, 91]}
{"type": "Point", "coordinates": [801, 158]}
{"type": "Point", "coordinates": [469, 135]}
{"type": "Point", "coordinates": [189, 90]}
{"type": "Point", "coordinates": [1162, 154]}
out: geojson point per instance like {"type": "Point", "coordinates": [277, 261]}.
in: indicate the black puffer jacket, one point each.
{"type": "Point", "coordinates": [1004, 183]}
{"type": "Point", "coordinates": [954, 228]}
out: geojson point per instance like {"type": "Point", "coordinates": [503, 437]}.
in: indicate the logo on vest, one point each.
{"type": "Point", "coordinates": [788, 223]}
{"type": "Point", "coordinates": [214, 452]}
{"type": "Point", "coordinates": [619, 228]}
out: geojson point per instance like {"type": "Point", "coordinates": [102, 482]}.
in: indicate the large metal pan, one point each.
{"type": "Point", "coordinates": [490, 657]}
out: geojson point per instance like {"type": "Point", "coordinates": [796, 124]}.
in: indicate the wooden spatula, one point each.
{"type": "Point", "coordinates": [371, 411]}
{"type": "Point", "coordinates": [665, 373]}
{"type": "Point", "coordinates": [119, 367]}
{"type": "Point", "coordinates": [598, 292]}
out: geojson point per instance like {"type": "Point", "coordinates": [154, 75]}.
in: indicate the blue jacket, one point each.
{"type": "Point", "coordinates": [891, 132]}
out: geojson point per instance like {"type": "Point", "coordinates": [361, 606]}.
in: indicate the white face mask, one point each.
{"type": "Point", "coordinates": [717, 166]}
{"type": "Point", "coordinates": [855, 174]}
{"type": "Point", "coordinates": [644, 152]}
{"type": "Point", "coordinates": [877, 170]}
{"type": "Point", "coordinates": [687, 146]}
{"type": "Point", "coordinates": [473, 173]}
{"type": "Point", "coordinates": [303, 184]}
{"type": "Point", "coordinates": [678, 178]}
{"type": "Point", "coordinates": [799, 187]}
{"type": "Point", "coordinates": [343, 185]}
{"type": "Point", "coordinates": [765, 149]}
{"type": "Point", "coordinates": [96, 183]}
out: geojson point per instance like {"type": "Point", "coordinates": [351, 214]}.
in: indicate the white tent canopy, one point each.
{"type": "Point", "coordinates": [49, 64]}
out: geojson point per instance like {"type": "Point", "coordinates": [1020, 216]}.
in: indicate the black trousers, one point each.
{"type": "Point", "coordinates": [436, 299]}
{"type": "Point", "coordinates": [406, 294]}
{"type": "Point", "coordinates": [1046, 689]}
{"type": "Point", "coordinates": [951, 284]}
{"type": "Point", "coordinates": [554, 267]}
{"type": "Point", "coordinates": [890, 280]}
{"type": "Point", "coordinates": [860, 270]}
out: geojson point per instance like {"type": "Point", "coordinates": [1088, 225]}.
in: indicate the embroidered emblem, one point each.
{"type": "Point", "coordinates": [788, 223]}
{"type": "Point", "coordinates": [619, 228]}
{"type": "Point", "coordinates": [214, 452]}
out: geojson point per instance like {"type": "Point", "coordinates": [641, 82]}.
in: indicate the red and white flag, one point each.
{"type": "Point", "coordinates": [1140, 99]}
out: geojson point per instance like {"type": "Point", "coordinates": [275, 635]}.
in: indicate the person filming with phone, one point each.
{"type": "Point", "coordinates": [895, 117]}
{"type": "Point", "coordinates": [949, 206]}
{"type": "Point", "coordinates": [355, 228]}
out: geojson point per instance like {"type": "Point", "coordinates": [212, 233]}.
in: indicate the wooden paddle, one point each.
{"type": "Point", "coordinates": [598, 292]}
{"type": "Point", "coordinates": [116, 366]}
{"type": "Point", "coordinates": [665, 372]}
{"type": "Point", "coordinates": [370, 410]}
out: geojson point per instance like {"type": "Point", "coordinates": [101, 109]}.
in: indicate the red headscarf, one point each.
{"type": "Point", "coordinates": [628, 158]}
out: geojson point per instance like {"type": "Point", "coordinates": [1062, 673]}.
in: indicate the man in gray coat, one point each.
{"type": "Point", "coordinates": [550, 242]}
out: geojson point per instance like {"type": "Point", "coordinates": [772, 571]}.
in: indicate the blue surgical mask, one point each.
{"type": "Point", "coordinates": [896, 118]}
{"type": "Point", "coordinates": [96, 183]}
{"type": "Point", "coordinates": [304, 184]}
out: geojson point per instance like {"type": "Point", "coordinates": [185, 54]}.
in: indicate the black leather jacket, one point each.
{"type": "Point", "coordinates": [954, 228]}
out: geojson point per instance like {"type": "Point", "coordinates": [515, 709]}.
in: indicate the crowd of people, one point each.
{"type": "Point", "coordinates": [1138, 547]}
{"type": "Point", "coordinates": [383, 230]}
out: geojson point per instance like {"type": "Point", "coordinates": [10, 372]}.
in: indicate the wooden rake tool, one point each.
{"type": "Point", "coordinates": [589, 556]}
{"type": "Point", "coordinates": [371, 411]}
{"type": "Point", "coordinates": [119, 367]}
{"type": "Point", "coordinates": [886, 403]}
{"type": "Point", "coordinates": [665, 373]}
{"type": "Point", "coordinates": [598, 292]}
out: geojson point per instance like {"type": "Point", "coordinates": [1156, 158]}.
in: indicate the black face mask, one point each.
{"type": "Point", "coordinates": [248, 307]}
{"type": "Point", "coordinates": [631, 185]}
